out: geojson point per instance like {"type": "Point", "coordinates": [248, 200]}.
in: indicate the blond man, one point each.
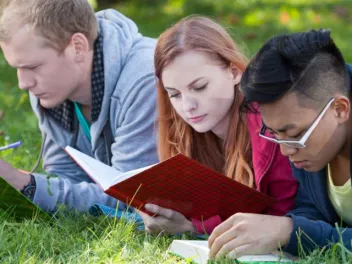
{"type": "Point", "coordinates": [91, 85]}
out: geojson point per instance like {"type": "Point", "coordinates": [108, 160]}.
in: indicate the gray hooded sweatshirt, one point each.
{"type": "Point", "coordinates": [128, 107]}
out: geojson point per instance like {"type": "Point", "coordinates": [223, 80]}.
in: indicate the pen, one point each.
{"type": "Point", "coordinates": [11, 146]}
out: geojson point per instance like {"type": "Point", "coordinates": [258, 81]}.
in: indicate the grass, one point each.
{"type": "Point", "coordinates": [78, 239]}
{"type": "Point", "coordinates": [84, 239]}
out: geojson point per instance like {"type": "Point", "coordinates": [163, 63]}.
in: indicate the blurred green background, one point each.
{"type": "Point", "coordinates": [251, 23]}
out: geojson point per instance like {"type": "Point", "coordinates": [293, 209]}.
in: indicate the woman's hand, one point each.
{"type": "Point", "coordinates": [165, 220]}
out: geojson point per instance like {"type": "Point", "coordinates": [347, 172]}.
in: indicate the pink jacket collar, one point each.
{"type": "Point", "coordinates": [263, 151]}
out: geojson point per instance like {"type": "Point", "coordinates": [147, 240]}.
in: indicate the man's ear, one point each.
{"type": "Point", "coordinates": [342, 107]}
{"type": "Point", "coordinates": [80, 47]}
{"type": "Point", "coordinates": [236, 74]}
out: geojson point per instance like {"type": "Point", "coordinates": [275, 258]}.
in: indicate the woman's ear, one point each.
{"type": "Point", "coordinates": [236, 74]}
{"type": "Point", "coordinates": [342, 107]}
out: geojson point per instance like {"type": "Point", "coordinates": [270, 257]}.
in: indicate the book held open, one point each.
{"type": "Point", "coordinates": [179, 183]}
{"type": "Point", "coordinates": [198, 252]}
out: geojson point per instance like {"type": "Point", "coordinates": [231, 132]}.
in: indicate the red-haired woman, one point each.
{"type": "Point", "coordinates": [199, 68]}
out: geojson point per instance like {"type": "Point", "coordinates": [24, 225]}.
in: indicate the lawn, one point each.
{"type": "Point", "coordinates": [85, 239]}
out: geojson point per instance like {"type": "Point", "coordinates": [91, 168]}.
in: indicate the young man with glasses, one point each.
{"type": "Point", "coordinates": [302, 87]}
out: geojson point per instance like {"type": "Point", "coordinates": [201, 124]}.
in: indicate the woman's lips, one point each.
{"type": "Point", "coordinates": [197, 119]}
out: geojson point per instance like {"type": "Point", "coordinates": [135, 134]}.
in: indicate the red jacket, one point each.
{"type": "Point", "coordinates": [272, 173]}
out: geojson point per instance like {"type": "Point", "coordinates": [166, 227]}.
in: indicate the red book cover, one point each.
{"type": "Point", "coordinates": [186, 186]}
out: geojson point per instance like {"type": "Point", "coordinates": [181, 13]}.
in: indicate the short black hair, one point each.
{"type": "Point", "coordinates": [308, 63]}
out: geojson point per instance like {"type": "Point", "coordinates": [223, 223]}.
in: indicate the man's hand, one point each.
{"type": "Point", "coordinates": [13, 176]}
{"type": "Point", "coordinates": [246, 234]}
{"type": "Point", "coordinates": [166, 220]}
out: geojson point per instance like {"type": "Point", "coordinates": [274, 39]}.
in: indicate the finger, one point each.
{"type": "Point", "coordinates": [142, 214]}
{"type": "Point", "coordinates": [168, 213]}
{"type": "Point", "coordinates": [220, 229]}
{"type": "Point", "coordinates": [246, 249]}
{"type": "Point", "coordinates": [152, 224]}
{"type": "Point", "coordinates": [230, 246]}
{"type": "Point", "coordinates": [154, 227]}
{"type": "Point", "coordinates": [148, 230]}
{"type": "Point", "coordinates": [222, 240]}
{"type": "Point", "coordinates": [147, 220]}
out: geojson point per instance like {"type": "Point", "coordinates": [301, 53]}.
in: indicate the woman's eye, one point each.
{"type": "Point", "coordinates": [174, 95]}
{"type": "Point", "coordinates": [201, 88]}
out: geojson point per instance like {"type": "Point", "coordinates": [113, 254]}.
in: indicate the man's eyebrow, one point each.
{"type": "Point", "coordinates": [282, 129]}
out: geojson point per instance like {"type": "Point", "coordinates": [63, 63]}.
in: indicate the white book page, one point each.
{"type": "Point", "coordinates": [198, 251]}
{"type": "Point", "coordinates": [101, 173]}
{"type": "Point", "coordinates": [264, 258]}
{"type": "Point", "coordinates": [128, 174]}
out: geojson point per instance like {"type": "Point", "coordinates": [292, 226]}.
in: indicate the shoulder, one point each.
{"type": "Point", "coordinates": [137, 70]}
{"type": "Point", "coordinates": [139, 63]}
{"type": "Point", "coordinates": [267, 158]}
{"type": "Point", "coordinates": [254, 122]}
{"type": "Point", "coordinates": [259, 145]}
{"type": "Point", "coordinates": [128, 55]}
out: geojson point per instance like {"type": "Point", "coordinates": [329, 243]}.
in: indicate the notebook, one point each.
{"type": "Point", "coordinates": [14, 203]}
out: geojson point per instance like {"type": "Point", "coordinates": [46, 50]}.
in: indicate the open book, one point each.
{"type": "Point", "coordinates": [179, 183]}
{"type": "Point", "coordinates": [14, 203]}
{"type": "Point", "coordinates": [198, 251]}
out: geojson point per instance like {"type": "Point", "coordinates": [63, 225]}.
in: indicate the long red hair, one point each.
{"type": "Point", "coordinates": [232, 156]}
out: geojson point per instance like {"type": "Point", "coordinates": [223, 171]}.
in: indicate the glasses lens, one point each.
{"type": "Point", "coordinates": [272, 138]}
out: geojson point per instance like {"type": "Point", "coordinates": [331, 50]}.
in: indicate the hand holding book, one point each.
{"type": "Point", "coordinates": [165, 220]}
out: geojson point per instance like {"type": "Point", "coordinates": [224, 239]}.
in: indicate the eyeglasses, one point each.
{"type": "Point", "coordinates": [300, 143]}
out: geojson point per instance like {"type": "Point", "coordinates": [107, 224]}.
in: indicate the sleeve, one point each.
{"type": "Point", "coordinates": [282, 186]}
{"type": "Point", "coordinates": [310, 230]}
{"type": "Point", "coordinates": [134, 147]}
{"type": "Point", "coordinates": [61, 185]}
{"type": "Point", "coordinates": [207, 226]}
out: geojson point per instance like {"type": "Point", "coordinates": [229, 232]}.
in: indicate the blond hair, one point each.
{"type": "Point", "coordinates": [231, 157]}
{"type": "Point", "coordinates": [55, 20]}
